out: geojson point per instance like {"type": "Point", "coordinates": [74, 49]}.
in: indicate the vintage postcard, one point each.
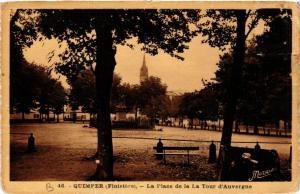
{"type": "Point", "coordinates": [150, 97]}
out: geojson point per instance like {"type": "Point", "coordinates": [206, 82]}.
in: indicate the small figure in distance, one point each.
{"type": "Point", "coordinates": [31, 143]}
{"type": "Point", "coordinates": [159, 149]}
{"type": "Point", "coordinates": [256, 151]}
{"type": "Point", "coordinates": [212, 153]}
{"type": "Point", "coordinates": [257, 146]}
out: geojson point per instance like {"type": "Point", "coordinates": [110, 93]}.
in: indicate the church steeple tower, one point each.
{"type": "Point", "coordinates": [143, 71]}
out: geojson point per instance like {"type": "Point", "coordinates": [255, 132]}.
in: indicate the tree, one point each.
{"type": "Point", "coordinates": [118, 92]}
{"type": "Point", "coordinates": [92, 36]}
{"type": "Point", "coordinates": [208, 104]}
{"type": "Point", "coordinates": [201, 104]}
{"type": "Point", "coordinates": [127, 95]}
{"type": "Point", "coordinates": [38, 91]}
{"type": "Point", "coordinates": [58, 99]}
{"type": "Point", "coordinates": [223, 28]}
{"type": "Point", "coordinates": [265, 94]}
{"type": "Point", "coordinates": [251, 93]}
{"type": "Point", "coordinates": [172, 105]}
{"type": "Point", "coordinates": [189, 107]}
{"type": "Point", "coordinates": [21, 30]}
{"type": "Point", "coordinates": [151, 97]}
{"type": "Point", "coordinates": [131, 98]}
{"type": "Point", "coordinates": [275, 50]}
{"type": "Point", "coordinates": [220, 36]}
{"type": "Point", "coordinates": [83, 93]}
{"type": "Point", "coordinates": [227, 28]}
{"type": "Point", "coordinates": [52, 96]}
{"type": "Point", "coordinates": [148, 97]}
{"type": "Point", "coordinates": [25, 94]}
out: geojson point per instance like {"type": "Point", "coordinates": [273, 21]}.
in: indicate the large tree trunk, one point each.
{"type": "Point", "coordinates": [236, 126]}
{"type": "Point", "coordinates": [235, 72]}
{"type": "Point", "coordinates": [23, 116]}
{"type": "Point", "coordinates": [48, 114]}
{"type": "Point", "coordinates": [233, 91]}
{"type": "Point", "coordinates": [90, 121]}
{"type": "Point", "coordinates": [74, 117]}
{"type": "Point", "coordinates": [105, 64]}
{"type": "Point", "coordinates": [135, 117]}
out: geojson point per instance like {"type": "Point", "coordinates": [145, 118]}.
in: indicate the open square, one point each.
{"type": "Point", "coordinates": [63, 149]}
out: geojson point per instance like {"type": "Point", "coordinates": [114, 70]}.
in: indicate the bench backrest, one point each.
{"type": "Point", "coordinates": [178, 148]}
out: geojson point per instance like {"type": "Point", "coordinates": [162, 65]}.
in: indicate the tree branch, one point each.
{"type": "Point", "coordinates": [252, 26]}
{"type": "Point", "coordinates": [248, 14]}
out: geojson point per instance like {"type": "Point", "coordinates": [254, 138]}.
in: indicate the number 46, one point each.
{"type": "Point", "coordinates": [60, 185]}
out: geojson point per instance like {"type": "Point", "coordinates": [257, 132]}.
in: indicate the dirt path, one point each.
{"type": "Point", "coordinates": [61, 149]}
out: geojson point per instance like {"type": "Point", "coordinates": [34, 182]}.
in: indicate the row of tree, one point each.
{"type": "Point", "coordinates": [202, 105]}
{"type": "Point", "coordinates": [43, 93]}
{"type": "Point", "coordinates": [148, 98]}
{"type": "Point", "coordinates": [33, 88]}
{"type": "Point", "coordinates": [264, 92]}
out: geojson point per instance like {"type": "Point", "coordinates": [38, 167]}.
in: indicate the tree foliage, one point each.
{"type": "Point", "coordinates": [29, 82]}
{"type": "Point", "coordinates": [265, 94]}
{"type": "Point", "coordinates": [52, 97]}
{"type": "Point", "coordinates": [201, 104]}
{"type": "Point", "coordinates": [168, 30]}
{"type": "Point", "coordinates": [25, 94]}
{"type": "Point", "coordinates": [152, 95]}
{"type": "Point", "coordinates": [83, 92]}
{"type": "Point", "coordinates": [39, 91]}
{"type": "Point", "coordinates": [21, 32]}
{"type": "Point", "coordinates": [229, 29]}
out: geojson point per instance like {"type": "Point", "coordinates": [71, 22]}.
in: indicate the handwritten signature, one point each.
{"type": "Point", "coordinates": [256, 174]}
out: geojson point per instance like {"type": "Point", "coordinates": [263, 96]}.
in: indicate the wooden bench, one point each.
{"type": "Point", "coordinates": [186, 153]}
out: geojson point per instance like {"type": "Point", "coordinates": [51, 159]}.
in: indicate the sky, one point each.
{"type": "Point", "coordinates": [180, 76]}
{"type": "Point", "coordinates": [199, 63]}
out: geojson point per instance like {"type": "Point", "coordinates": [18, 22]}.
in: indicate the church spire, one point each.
{"type": "Point", "coordinates": [144, 70]}
{"type": "Point", "coordinates": [144, 60]}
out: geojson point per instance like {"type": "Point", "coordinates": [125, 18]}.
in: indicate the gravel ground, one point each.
{"type": "Point", "coordinates": [63, 147]}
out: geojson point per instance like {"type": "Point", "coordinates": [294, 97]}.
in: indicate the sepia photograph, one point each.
{"type": "Point", "coordinates": [150, 94]}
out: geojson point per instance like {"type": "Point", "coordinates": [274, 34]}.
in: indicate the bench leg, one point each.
{"type": "Point", "coordinates": [164, 156]}
{"type": "Point", "coordinates": [188, 157]}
